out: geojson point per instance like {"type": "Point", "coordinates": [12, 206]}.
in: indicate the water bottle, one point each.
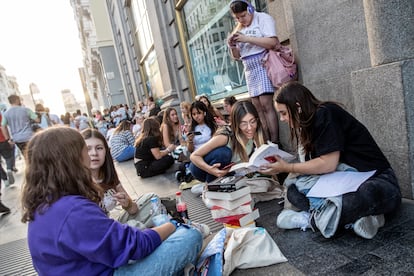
{"type": "Point", "coordinates": [181, 206]}
{"type": "Point", "coordinates": [158, 212]}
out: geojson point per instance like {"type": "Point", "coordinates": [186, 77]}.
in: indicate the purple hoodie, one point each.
{"type": "Point", "coordinates": [75, 236]}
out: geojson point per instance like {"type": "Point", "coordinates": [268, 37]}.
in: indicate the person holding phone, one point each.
{"type": "Point", "coordinates": [203, 126]}
{"type": "Point", "coordinates": [234, 144]}
{"type": "Point", "coordinates": [255, 33]}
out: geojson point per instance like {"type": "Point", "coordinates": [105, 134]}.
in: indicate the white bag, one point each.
{"type": "Point", "coordinates": [250, 247]}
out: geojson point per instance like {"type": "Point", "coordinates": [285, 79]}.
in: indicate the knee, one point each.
{"type": "Point", "coordinates": [221, 155]}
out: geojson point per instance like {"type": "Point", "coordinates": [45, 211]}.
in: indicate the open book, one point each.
{"type": "Point", "coordinates": [263, 155]}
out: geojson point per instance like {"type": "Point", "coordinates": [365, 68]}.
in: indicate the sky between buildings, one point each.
{"type": "Point", "coordinates": [39, 43]}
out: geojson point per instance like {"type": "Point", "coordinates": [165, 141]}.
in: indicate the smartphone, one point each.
{"type": "Point", "coordinates": [228, 166]}
{"type": "Point", "coordinates": [270, 159]}
{"type": "Point", "coordinates": [194, 132]}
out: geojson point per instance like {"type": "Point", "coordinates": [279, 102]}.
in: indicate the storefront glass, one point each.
{"type": "Point", "coordinates": [208, 23]}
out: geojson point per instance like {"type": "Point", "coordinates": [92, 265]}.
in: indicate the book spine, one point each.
{"type": "Point", "coordinates": [222, 187]}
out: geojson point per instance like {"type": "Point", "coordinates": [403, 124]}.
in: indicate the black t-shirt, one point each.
{"type": "Point", "coordinates": [334, 129]}
{"type": "Point", "coordinates": [143, 150]}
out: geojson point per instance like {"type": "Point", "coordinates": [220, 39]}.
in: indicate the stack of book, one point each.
{"type": "Point", "coordinates": [231, 202]}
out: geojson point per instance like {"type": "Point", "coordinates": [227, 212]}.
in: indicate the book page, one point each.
{"type": "Point", "coordinates": [259, 156]}
{"type": "Point", "coordinates": [338, 183]}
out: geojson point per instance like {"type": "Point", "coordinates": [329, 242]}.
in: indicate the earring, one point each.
{"type": "Point", "coordinates": [299, 110]}
{"type": "Point", "coordinates": [205, 113]}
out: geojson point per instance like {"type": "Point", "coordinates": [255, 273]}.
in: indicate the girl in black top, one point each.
{"type": "Point", "coordinates": [329, 135]}
{"type": "Point", "coordinates": [149, 159]}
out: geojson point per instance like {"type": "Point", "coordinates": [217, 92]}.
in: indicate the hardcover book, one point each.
{"type": "Point", "coordinates": [228, 195]}
{"type": "Point", "coordinates": [230, 204]}
{"type": "Point", "coordinates": [226, 183]}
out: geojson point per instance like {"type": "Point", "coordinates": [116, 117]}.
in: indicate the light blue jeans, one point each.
{"type": "Point", "coordinates": [170, 258]}
{"type": "Point", "coordinates": [127, 154]}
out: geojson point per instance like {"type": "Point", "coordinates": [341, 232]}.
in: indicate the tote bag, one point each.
{"type": "Point", "coordinates": [280, 65]}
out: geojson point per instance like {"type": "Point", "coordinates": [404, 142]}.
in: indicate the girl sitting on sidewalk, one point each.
{"type": "Point", "coordinates": [149, 159]}
{"type": "Point", "coordinates": [122, 142]}
{"type": "Point", "coordinates": [234, 145]}
{"type": "Point", "coordinates": [68, 232]}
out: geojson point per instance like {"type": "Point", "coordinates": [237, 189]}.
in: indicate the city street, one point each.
{"type": "Point", "coordinates": [308, 253]}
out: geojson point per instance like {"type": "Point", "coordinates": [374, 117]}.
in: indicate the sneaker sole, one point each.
{"type": "Point", "coordinates": [364, 224]}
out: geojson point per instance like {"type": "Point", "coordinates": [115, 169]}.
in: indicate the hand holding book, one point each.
{"type": "Point", "coordinates": [275, 167]}
{"type": "Point", "coordinates": [266, 154]}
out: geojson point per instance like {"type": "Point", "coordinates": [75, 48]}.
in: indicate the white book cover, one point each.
{"type": "Point", "coordinates": [228, 195]}
{"type": "Point", "coordinates": [247, 219]}
{"type": "Point", "coordinates": [218, 212]}
{"type": "Point", "coordinates": [230, 204]}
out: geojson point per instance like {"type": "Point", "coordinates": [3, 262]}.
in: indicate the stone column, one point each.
{"type": "Point", "coordinates": [384, 93]}
{"type": "Point", "coordinates": [390, 28]}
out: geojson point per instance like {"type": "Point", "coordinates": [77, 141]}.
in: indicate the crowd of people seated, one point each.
{"type": "Point", "coordinates": [204, 142]}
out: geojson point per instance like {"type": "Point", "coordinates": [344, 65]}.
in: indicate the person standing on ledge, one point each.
{"type": "Point", "coordinates": [253, 35]}
{"type": "Point", "coordinates": [329, 137]}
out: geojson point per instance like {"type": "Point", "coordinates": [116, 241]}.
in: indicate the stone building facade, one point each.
{"type": "Point", "coordinates": [358, 52]}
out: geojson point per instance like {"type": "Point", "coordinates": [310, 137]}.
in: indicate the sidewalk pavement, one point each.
{"type": "Point", "coordinates": [308, 253]}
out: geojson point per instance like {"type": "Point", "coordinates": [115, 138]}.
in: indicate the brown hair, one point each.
{"type": "Point", "coordinates": [166, 121]}
{"type": "Point", "coordinates": [301, 105]}
{"type": "Point", "coordinates": [123, 126]}
{"type": "Point", "coordinates": [107, 172]}
{"type": "Point", "coordinates": [239, 110]}
{"type": "Point", "coordinates": [150, 127]}
{"type": "Point", "coordinates": [54, 168]}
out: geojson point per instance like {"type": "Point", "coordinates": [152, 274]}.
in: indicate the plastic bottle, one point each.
{"type": "Point", "coordinates": [158, 212]}
{"type": "Point", "coordinates": [181, 206]}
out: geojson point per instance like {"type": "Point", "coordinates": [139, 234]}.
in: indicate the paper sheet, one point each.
{"type": "Point", "coordinates": [338, 183]}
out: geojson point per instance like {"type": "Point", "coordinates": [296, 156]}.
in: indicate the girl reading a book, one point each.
{"type": "Point", "coordinates": [229, 145]}
{"type": "Point", "coordinates": [330, 136]}
{"type": "Point", "coordinates": [68, 232]}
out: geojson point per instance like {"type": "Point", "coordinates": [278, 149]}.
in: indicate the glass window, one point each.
{"type": "Point", "coordinates": [208, 24]}
{"type": "Point", "coordinates": [153, 76]}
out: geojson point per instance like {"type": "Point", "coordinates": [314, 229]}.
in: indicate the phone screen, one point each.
{"type": "Point", "coordinates": [228, 166]}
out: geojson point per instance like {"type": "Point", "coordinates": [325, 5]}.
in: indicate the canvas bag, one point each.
{"type": "Point", "coordinates": [280, 65]}
{"type": "Point", "coordinates": [264, 188]}
{"type": "Point", "coordinates": [250, 247]}
{"type": "Point", "coordinates": [142, 219]}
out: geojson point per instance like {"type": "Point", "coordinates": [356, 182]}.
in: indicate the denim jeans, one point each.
{"type": "Point", "coordinates": [6, 151]}
{"type": "Point", "coordinates": [220, 155]}
{"type": "Point", "coordinates": [170, 258]}
{"type": "Point", "coordinates": [380, 194]}
{"type": "Point", "coordinates": [127, 154]}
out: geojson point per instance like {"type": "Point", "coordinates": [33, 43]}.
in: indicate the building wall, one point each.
{"type": "Point", "coordinates": [361, 54]}
{"type": "Point", "coordinates": [358, 52]}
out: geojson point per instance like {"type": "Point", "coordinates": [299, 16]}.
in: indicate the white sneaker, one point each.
{"type": "Point", "coordinates": [198, 189]}
{"type": "Point", "coordinates": [202, 228]}
{"type": "Point", "coordinates": [6, 182]}
{"type": "Point", "coordinates": [367, 227]}
{"type": "Point", "coordinates": [289, 219]}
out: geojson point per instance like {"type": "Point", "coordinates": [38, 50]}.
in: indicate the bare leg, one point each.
{"type": "Point", "coordinates": [262, 117]}
{"type": "Point", "coordinates": [269, 112]}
